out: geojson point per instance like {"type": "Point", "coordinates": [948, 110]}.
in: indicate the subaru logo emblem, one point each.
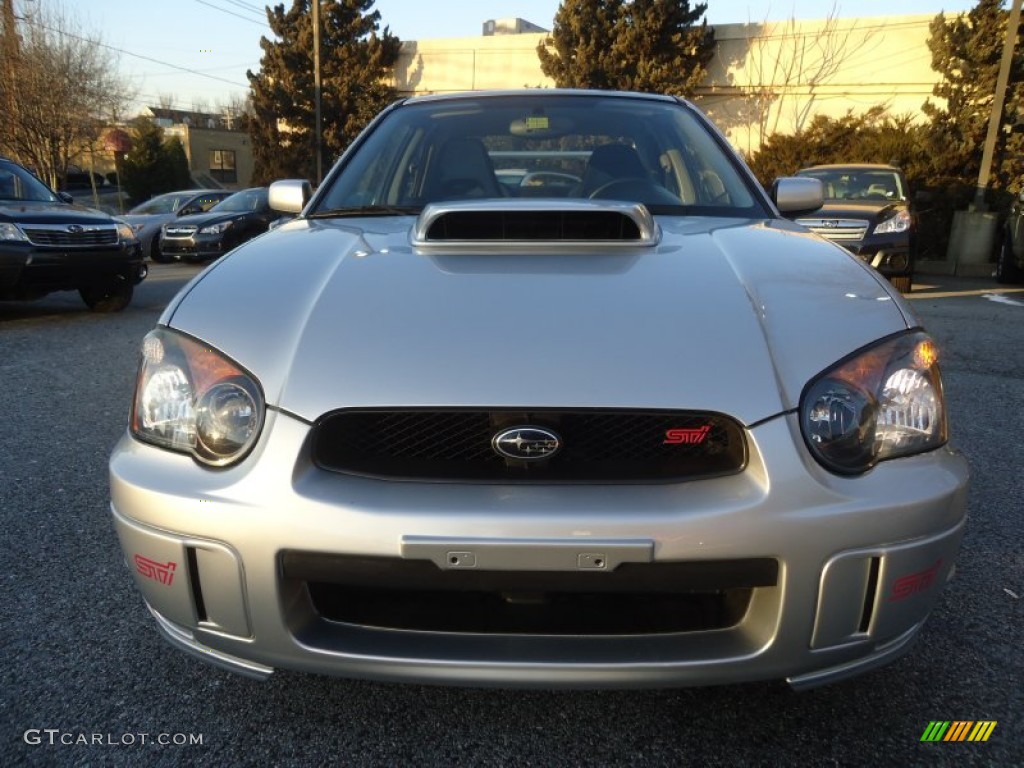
{"type": "Point", "coordinates": [829, 223]}
{"type": "Point", "coordinates": [75, 228]}
{"type": "Point", "coordinates": [526, 443]}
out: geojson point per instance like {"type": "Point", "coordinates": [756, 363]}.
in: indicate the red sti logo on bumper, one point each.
{"type": "Point", "coordinates": [151, 569]}
{"type": "Point", "coordinates": [686, 436]}
{"type": "Point", "coordinates": [911, 584]}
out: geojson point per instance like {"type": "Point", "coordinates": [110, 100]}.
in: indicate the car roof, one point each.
{"type": "Point", "coordinates": [536, 92]}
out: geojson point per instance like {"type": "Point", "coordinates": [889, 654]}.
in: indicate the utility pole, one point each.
{"type": "Point", "coordinates": [316, 89]}
{"type": "Point", "coordinates": [995, 120]}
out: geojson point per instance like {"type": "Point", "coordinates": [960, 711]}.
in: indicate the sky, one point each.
{"type": "Point", "coordinates": [196, 52]}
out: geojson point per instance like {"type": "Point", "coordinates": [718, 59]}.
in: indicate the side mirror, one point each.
{"type": "Point", "coordinates": [794, 195]}
{"type": "Point", "coordinates": [188, 210]}
{"type": "Point", "coordinates": [290, 195]}
{"type": "Point", "coordinates": [65, 197]}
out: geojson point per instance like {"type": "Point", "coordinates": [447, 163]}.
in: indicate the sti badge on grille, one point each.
{"type": "Point", "coordinates": [526, 443]}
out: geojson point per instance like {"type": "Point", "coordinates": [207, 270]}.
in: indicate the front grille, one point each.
{"type": "Point", "coordinates": [60, 235]}
{"type": "Point", "coordinates": [633, 599]}
{"type": "Point", "coordinates": [840, 230]}
{"type": "Point", "coordinates": [597, 446]}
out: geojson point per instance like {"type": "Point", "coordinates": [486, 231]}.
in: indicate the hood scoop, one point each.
{"type": "Point", "coordinates": [534, 225]}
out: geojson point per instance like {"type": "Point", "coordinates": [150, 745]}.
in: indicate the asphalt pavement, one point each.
{"type": "Point", "coordinates": [87, 681]}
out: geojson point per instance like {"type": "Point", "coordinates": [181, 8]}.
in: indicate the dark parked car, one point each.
{"type": "Point", "coordinates": [868, 211]}
{"type": "Point", "coordinates": [1010, 264]}
{"type": "Point", "coordinates": [212, 234]}
{"type": "Point", "coordinates": [147, 218]}
{"type": "Point", "coordinates": [49, 244]}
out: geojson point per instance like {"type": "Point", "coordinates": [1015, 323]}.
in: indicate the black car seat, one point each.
{"type": "Point", "coordinates": [611, 162]}
{"type": "Point", "coordinates": [462, 170]}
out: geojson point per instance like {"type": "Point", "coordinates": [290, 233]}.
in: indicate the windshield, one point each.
{"type": "Point", "coordinates": [542, 146]}
{"type": "Point", "coordinates": [859, 183]}
{"type": "Point", "coordinates": [246, 200]}
{"type": "Point", "coordinates": [16, 183]}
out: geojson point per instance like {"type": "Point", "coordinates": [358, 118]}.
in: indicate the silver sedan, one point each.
{"type": "Point", "coordinates": [633, 428]}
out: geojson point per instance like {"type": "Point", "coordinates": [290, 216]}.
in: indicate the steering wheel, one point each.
{"type": "Point", "coordinates": [635, 189]}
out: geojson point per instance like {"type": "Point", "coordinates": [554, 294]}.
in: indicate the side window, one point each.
{"type": "Point", "coordinates": [222, 165]}
{"type": "Point", "coordinates": [7, 185]}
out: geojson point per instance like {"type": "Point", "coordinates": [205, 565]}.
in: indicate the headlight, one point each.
{"type": "Point", "coordinates": [882, 403]}
{"type": "Point", "coordinates": [898, 223]}
{"type": "Point", "coordinates": [215, 229]}
{"type": "Point", "coordinates": [192, 399]}
{"type": "Point", "coordinates": [11, 232]}
{"type": "Point", "coordinates": [125, 232]}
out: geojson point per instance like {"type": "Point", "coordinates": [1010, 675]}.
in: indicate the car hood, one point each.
{"type": "Point", "coordinates": [147, 219]}
{"type": "Point", "coordinates": [725, 315]}
{"type": "Point", "coordinates": [51, 213]}
{"type": "Point", "coordinates": [848, 209]}
{"type": "Point", "coordinates": [206, 219]}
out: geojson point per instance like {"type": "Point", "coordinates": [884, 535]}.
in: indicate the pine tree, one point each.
{"type": "Point", "coordinates": [639, 45]}
{"type": "Point", "coordinates": [966, 51]}
{"type": "Point", "coordinates": [355, 63]}
{"type": "Point", "coordinates": [153, 166]}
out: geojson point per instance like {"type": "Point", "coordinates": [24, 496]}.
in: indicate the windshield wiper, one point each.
{"type": "Point", "coordinates": [368, 210]}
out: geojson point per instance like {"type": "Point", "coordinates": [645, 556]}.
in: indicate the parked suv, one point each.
{"type": "Point", "coordinates": [868, 211]}
{"type": "Point", "coordinates": [1010, 264]}
{"type": "Point", "coordinates": [49, 244]}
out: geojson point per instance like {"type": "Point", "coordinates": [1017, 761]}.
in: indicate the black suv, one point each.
{"type": "Point", "coordinates": [49, 244]}
{"type": "Point", "coordinates": [868, 211]}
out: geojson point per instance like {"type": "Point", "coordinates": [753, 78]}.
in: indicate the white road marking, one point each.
{"type": "Point", "coordinates": [1000, 299]}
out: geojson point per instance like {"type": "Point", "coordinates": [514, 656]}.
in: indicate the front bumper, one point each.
{"type": "Point", "coordinates": [234, 564]}
{"type": "Point", "coordinates": [196, 247]}
{"type": "Point", "coordinates": [29, 270]}
{"type": "Point", "coordinates": [891, 255]}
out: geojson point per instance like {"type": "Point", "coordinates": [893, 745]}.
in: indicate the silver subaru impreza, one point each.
{"type": "Point", "coordinates": [540, 389]}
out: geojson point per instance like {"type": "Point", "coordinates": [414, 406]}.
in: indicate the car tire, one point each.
{"type": "Point", "coordinates": [154, 252]}
{"type": "Point", "coordinates": [1007, 270]}
{"type": "Point", "coordinates": [901, 283]}
{"type": "Point", "coordinates": [112, 297]}
{"type": "Point", "coordinates": [156, 256]}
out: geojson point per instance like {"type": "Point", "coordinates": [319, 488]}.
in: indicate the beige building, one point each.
{"type": "Point", "coordinates": [764, 77]}
{"type": "Point", "coordinates": [217, 157]}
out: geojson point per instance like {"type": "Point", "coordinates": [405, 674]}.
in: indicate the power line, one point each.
{"type": "Point", "coordinates": [231, 13]}
{"type": "Point", "coordinates": [261, 12]}
{"type": "Point", "coordinates": [140, 56]}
